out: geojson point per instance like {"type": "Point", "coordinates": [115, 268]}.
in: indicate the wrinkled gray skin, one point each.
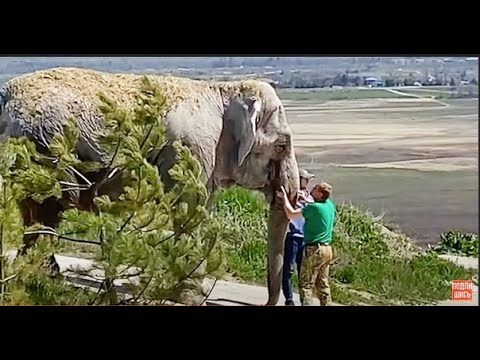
{"type": "Point", "coordinates": [239, 141]}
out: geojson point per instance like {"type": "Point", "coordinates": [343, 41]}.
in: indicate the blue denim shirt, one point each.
{"type": "Point", "coordinates": [296, 226]}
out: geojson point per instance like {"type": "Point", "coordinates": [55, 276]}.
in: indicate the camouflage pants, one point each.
{"type": "Point", "coordinates": [314, 275]}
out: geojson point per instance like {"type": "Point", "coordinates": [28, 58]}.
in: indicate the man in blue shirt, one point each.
{"type": "Point", "coordinates": [293, 251]}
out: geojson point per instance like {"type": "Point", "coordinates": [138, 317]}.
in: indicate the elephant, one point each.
{"type": "Point", "coordinates": [237, 129]}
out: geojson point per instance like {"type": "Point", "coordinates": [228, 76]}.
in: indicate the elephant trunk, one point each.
{"type": "Point", "coordinates": [286, 175]}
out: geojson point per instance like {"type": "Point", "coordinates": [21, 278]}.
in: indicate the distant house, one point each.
{"type": "Point", "coordinates": [372, 82]}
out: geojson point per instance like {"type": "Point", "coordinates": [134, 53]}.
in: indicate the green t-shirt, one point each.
{"type": "Point", "coordinates": [319, 222]}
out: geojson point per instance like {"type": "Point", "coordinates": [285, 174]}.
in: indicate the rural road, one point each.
{"type": "Point", "coordinates": [228, 293]}
{"type": "Point", "coordinates": [429, 98]}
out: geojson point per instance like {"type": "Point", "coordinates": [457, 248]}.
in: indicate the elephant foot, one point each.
{"type": "Point", "coordinates": [271, 303]}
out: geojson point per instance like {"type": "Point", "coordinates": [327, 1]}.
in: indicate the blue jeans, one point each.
{"type": "Point", "coordinates": [293, 253]}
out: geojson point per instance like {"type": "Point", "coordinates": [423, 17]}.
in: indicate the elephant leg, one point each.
{"type": "Point", "coordinates": [165, 160]}
{"type": "Point", "coordinates": [47, 214]}
{"type": "Point", "coordinates": [277, 229]}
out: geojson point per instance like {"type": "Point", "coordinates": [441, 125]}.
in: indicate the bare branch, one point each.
{"type": "Point", "coordinates": [143, 290]}
{"type": "Point", "coordinates": [191, 273]}
{"type": "Point", "coordinates": [112, 173]}
{"type": "Point", "coordinates": [80, 175]}
{"type": "Point", "coordinates": [147, 136]}
{"type": "Point", "coordinates": [128, 276]}
{"type": "Point", "coordinates": [11, 277]}
{"type": "Point", "coordinates": [79, 240]}
{"type": "Point", "coordinates": [210, 292]}
{"type": "Point", "coordinates": [140, 228]}
{"type": "Point", "coordinates": [75, 189]}
{"type": "Point", "coordinates": [126, 222]}
{"type": "Point", "coordinates": [117, 148]}
{"type": "Point", "coordinates": [53, 233]}
{"type": "Point", "coordinates": [71, 184]}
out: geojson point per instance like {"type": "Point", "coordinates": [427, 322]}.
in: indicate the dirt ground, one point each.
{"type": "Point", "coordinates": [395, 139]}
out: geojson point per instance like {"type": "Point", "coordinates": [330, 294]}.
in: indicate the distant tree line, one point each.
{"type": "Point", "coordinates": [312, 80]}
{"type": "Point", "coordinates": [286, 72]}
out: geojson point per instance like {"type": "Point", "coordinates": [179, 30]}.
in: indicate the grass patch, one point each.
{"type": "Point", "coordinates": [336, 94]}
{"type": "Point", "coordinates": [458, 243]}
{"type": "Point", "coordinates": [364, 263]}
{"type": "Point", "coordinates": [469, 93]}
{"type": "Point", "coordinates": [244, 217]}
{"type": "Point", "coordinates": [431, 94]}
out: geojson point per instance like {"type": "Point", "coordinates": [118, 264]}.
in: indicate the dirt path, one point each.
{"type": "Point", "coordinates": [423, 97]}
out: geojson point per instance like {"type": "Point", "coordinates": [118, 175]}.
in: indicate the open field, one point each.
{"type": "Point", "coordinates": [327, 94]}
{"type": "Point", "coordinates": [405, 92]}
{"type": "Point", "coordinates": [415, 158]}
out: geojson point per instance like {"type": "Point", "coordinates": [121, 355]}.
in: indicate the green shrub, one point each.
{"type": "Point", "coordinates": [458, 243]}
{"type": "Point", "coordinates": [243, 216]}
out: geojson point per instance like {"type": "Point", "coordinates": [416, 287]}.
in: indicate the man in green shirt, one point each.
{"type": "Point", "coordinates": [318, 232]}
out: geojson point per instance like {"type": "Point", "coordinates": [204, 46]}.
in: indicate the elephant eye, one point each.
{"type": "Point", "coordinates": [280, 148]}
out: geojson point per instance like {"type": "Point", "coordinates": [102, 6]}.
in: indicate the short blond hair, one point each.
{"type": "Point", "coordinates": [325, 188]}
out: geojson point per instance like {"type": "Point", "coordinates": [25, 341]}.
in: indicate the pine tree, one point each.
{"type": "Point", "coordinates": [163, 243]}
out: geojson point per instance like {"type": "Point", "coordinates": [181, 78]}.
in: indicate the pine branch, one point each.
{"type": "Point", "coordinates": [125, 223]}
{"type": "Point", "coordinates": [182, 230]}
{"type": "Point", "coordinates": [128, 276]}
{"type": "Point", "coordinates": [190, 274]}
{"type": "Point", "coordinates": [79, 240]}
{"type": "Point", "coordinates": [4, 281]}
{"type": "Point", "coordinates": [117, 148]}
{"type": "Point", "coordinates": [54, 233]}
{"type": "Point", "coordinates": [139, 228]}
{"type": "Point", "coordinates": [144, 289]}
{"type": "Point", "coordinates": [136, 134]}
{"type": "Point", "coordinates": [108, 176]}
{"type": "Point", "coordinates": [147, 136]}
{"type": "Point", "coordinates": [148, 230]}
{"type": "Point", "coordinates": [96, 296]}
{"type": "Point", "coordinates": [210, 292]}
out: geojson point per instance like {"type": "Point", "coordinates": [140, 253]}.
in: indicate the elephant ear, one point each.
{"type": "Point", "coordinates": [241, 120]}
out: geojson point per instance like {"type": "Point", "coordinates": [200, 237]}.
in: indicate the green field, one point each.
{"type": "Point", "coordinates": [327, 94]}
{"type": "Point", "coordinates": [332, 94]}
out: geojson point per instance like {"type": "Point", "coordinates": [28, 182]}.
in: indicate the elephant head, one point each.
{"type": "Point", "coordinates": [256, 152]}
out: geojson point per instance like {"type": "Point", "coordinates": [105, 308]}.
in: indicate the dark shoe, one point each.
{"type": "Point", "coordinates": [53, 268]}
{"type": "Point", "coordinates": [289, 303]}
